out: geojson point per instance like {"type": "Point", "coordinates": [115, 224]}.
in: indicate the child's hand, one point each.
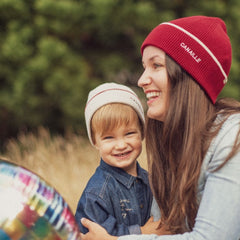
{"type": "Point", "coordinates": [150, 227]}
{"type": "Point", "coordinates": [96, 232]}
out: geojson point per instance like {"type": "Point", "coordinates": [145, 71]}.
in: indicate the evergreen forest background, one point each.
{"type": "Point", "coordinates": [52, 52]}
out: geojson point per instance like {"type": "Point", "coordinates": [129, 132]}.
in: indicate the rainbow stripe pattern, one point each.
{"type": "Point", "coordinates": [30, 209]}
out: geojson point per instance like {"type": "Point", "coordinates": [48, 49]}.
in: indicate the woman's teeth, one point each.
{"type": "Point", "coordinates": [152, 94]}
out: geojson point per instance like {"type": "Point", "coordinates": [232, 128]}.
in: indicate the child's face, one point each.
{"type": "Point", "coordinates": [121, 147]}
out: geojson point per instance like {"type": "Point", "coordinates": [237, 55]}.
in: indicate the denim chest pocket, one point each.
{"type": "Point", "coordinates": [127, 211]}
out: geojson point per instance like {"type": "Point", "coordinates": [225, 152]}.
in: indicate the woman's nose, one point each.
{"type": "Point", "coordinates": [144, 79]}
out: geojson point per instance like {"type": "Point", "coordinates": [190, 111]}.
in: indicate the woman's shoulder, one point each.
{"type": "Point", "coordinates": [230, 123]}
{"type": "Point", "coordinates": [225, 139]}
{"type": "Point", "coordinates": [220, 146]}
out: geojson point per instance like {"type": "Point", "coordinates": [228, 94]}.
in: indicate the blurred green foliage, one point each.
{"type": "Point", "coordinates": [52, 52]}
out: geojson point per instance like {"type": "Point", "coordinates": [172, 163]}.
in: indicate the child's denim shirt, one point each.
{"type": "Point", "coordinates": [119, 202]}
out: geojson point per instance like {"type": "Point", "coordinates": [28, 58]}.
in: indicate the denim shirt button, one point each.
{"type": "Point", "coordinates": [141, 206]}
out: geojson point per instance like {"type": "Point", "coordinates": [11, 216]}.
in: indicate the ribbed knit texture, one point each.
{"type": "Point", "coordinates": [200, 45]}
{"type": "Point", "coordinates": [111, 93]}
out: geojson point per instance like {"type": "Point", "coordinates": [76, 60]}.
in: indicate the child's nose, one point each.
{"type": "Point", "coordinates": [121, 143]}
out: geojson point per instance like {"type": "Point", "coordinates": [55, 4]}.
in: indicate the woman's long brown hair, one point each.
{"type": "Point", "coordinates": [176, 148]}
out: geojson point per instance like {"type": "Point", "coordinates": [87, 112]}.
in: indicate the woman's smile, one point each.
{"type": "Point", "coordinates": [154, 82]}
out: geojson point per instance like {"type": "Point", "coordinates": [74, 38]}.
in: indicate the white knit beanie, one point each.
{"type": "Point", "coordinates": [111, 93]}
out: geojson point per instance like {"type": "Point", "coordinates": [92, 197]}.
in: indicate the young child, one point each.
{"type": "Point", "coordinates": [117, 196]}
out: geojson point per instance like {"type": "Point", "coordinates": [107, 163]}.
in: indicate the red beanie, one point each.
{"type": "Point", "coordinates": [200, 45]}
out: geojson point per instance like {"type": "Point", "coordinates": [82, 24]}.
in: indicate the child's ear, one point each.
{"type": "Point", "coordinates": [96, 146]}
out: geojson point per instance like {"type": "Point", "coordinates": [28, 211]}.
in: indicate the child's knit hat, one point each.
{"type": "Point", "coordinates": [200, 45]}
{"type": "Point", "coordinates": [111, 93]}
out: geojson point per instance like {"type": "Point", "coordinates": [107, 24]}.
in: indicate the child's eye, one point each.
{"type": "Point", "coordinates": [130, 133]}
{"type": "Point", "coordinates": [107, 137]}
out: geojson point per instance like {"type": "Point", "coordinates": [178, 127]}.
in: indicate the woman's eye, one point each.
{"type": "Point", "coordinates": [156, 65]}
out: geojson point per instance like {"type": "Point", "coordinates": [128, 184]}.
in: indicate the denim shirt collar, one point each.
{"type": "Point", "coordinates": [123, 177]}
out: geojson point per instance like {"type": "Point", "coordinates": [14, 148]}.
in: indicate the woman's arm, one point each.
{"type": "Point", "coordinates": [96, 232]}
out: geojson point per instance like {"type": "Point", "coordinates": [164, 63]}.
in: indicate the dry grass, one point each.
{"type": "Point", "coordinates": [66, 163]}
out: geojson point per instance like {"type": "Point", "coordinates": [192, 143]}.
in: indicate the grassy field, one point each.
{"type": "Point", "coordinates": [66, 163]}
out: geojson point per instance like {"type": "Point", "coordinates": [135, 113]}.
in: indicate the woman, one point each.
{"type": "Point", "coordinates": [192, 139]}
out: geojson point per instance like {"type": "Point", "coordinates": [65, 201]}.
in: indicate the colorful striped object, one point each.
{"type": "Point", "coordinates": [30, 209]}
